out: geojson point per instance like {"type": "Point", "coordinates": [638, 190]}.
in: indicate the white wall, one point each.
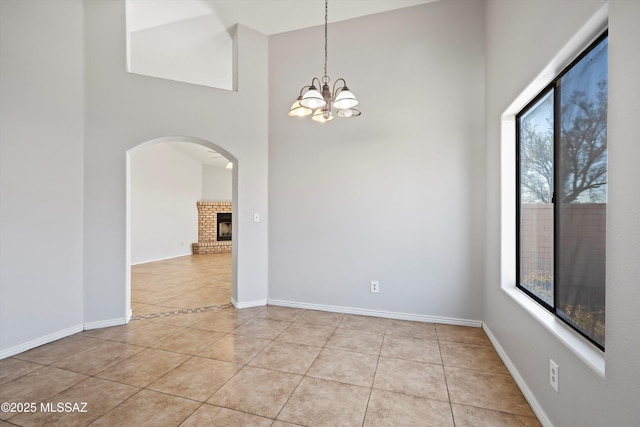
{"type": "Point", "coordinates": [41, 138]}
{"type": "Point", "coordinates": [197, 50]}
{"type": "Point", "coordinates": [124, 110]}
{"type": "Point", "coordinates": [623, 229]}
{"type": "Point", "coordinates": [165, 186]}
{"type": "Point", "coordinates": [518, 48]}
{"type": "Point", "coordinates": [216, 184]}
{"type": "Point", "coordinates": [432, 265]}
{"type": "Point", "coordinates": [394, 195]}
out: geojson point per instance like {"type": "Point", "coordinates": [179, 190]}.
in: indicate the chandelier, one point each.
{"type": "Point", "coordinates": [340, 98]}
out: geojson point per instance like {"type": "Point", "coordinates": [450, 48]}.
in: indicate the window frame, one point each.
{"type": "Point", "coordinates": [549, 88]}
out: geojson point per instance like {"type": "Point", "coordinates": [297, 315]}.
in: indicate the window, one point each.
{"type": "Point", "coordinates": [562, 194]}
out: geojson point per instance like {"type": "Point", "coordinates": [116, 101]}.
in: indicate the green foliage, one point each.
{"type": "Point", "coordinates": [589, 321]}
{"type": "Point", "coordinates": [540, 284]}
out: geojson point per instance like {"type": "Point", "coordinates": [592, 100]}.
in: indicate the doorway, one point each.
{"type": "Point", "coordinates": [165, 181]}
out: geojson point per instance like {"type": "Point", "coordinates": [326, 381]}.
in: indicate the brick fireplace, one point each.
{"type": "Point", "coordinates": [209, 224]}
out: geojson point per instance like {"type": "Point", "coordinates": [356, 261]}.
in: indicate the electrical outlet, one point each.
{"type": "Point", "coordinates": [553, 374]}
{"type": "Point", "coordinates": [375, 286]}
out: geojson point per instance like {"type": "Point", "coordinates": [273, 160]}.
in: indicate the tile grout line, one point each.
{"type": "Point", "coordinates": [310, 365]}
{"type": "Point", "coordinates": [386, 335]}
{"type": "Point", "coordinates": [146, 387]}
{"type": "Point", "coordinates": [366, 410]}
{"type": "Point", "coordinates": [201, 403]}
{"type": "Point", "coordinates": [444, 374]}
{"type": "Point", "coordinates": [303, 376]}
{"type": "Point", "coordinates": [244, 365]}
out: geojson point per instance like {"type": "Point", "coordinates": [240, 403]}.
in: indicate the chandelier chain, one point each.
{"type": "Point", "coordinates": [320, 101]}
{"type": "Point", "coordinates": [326, 38]}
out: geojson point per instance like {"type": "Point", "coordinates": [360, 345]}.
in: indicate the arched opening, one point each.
{"type": "Point", "coordinates": [176, 254]}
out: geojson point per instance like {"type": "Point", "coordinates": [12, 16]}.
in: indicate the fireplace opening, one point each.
{"type": "Point", "coordinates": [224, 226]}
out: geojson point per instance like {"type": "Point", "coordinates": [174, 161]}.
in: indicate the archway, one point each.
{"type": "Point", "coordinates": [189, 141]}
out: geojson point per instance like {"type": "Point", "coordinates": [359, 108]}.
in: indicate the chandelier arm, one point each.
{"type": "Point", "coordinates": [339, 89]}
{"type": "Point", "coordinates": [315, 79]}
{"type": "Point", "coordinates": [302, 90]}
{"type": "Point", "coordinates": [312, 85]}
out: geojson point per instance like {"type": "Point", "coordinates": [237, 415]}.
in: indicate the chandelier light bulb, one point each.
{"type": "Point", "coordinates": [350, 112]}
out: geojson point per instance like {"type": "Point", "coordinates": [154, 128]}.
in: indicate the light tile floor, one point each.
{"type": "Point", "coordinates": [181, 283]}
{"type": "Point", "coordinates": [265, 366]}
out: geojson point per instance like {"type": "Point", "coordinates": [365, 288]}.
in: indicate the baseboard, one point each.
{"type": "Point", "coordinates": [378, 313]}
{"type": "Point", "coordinates": [161, 259]}
{"type": "Point", "coordinates": [248, 304]}
{"type": "Point", "coordinates": [528, 395]}
{"type": "Point", "coordinates": [106, 323]}
{"type": "Point", "coordinates": [12, 351]}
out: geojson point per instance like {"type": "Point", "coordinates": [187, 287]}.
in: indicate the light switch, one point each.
{"type": "Point", "coordinates": [256, 217]}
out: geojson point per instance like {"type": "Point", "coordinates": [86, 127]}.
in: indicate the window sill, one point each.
{"type": "Point", "coordinates": [585, 351]}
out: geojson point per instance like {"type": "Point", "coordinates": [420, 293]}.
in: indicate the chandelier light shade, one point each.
{"type": "Point", "coordinates": [298, 110]}
{"type": "Point", "coordinates": [322, 115]}
{"type": "Point", "coordinates": [326, 99]}
{"type": "Point", "coordinates": [313, 99]}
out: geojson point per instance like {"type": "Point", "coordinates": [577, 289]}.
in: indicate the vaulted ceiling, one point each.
{"type": "Point", "coordinates": [267, 16]}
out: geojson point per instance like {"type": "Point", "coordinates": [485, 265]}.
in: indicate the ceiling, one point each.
{"type": "Point", "coordinates": [204, 155]}
{"type": "Point", "coordinates": [278, 16]}
{"type": "Point", "coordinates": [266, 16]}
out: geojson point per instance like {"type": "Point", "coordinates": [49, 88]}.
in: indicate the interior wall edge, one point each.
{"type": "Point", "coordinates": [522, 385]}
{"type": "Point", "coordinates": [378, 313]}
{"type": "Point", "coordinates": [28, 345]}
